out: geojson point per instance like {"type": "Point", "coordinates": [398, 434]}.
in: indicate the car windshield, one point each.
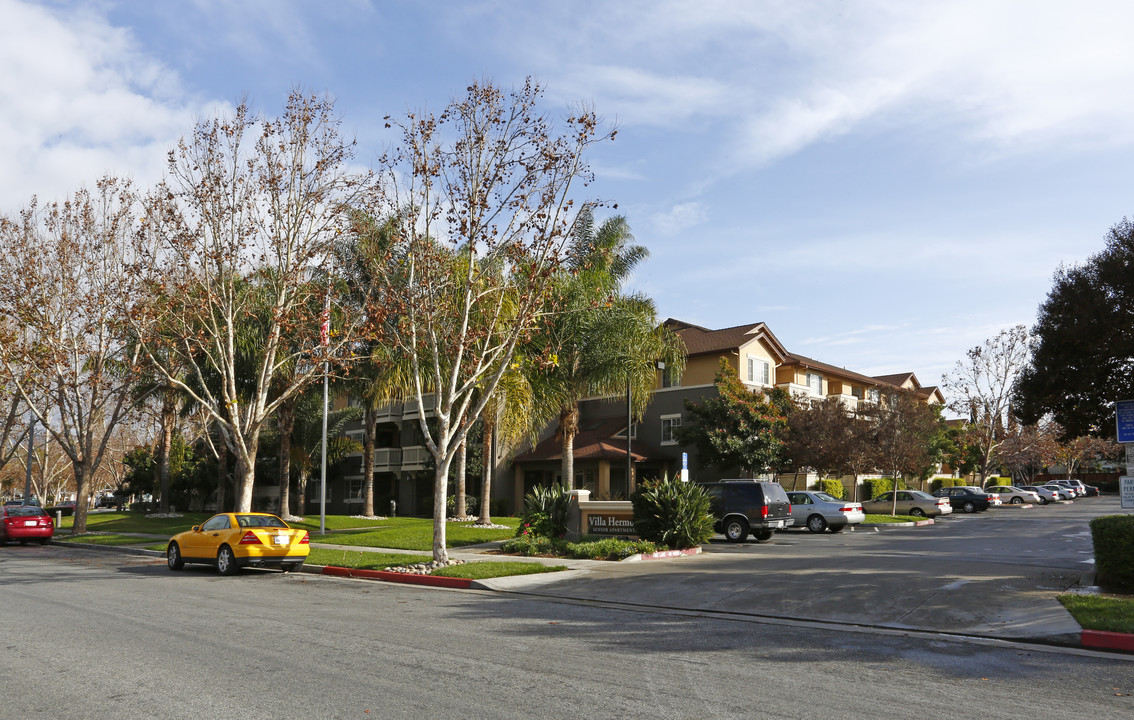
{"type": "Point", "coordinates": [270, 521]}
{"type": "Point", "coordinates": [827, 498]}
{"type": "Point", "coordinates": [22, 510]}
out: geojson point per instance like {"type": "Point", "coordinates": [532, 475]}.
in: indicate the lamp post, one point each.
{"type": "Point", "coordinates": [31, 448]}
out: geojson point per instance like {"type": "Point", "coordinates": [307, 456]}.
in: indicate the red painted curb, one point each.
{"type": "Point", "coordinates": [1107, 640]}
{"type": "Point", "coordinates": [406, 578]}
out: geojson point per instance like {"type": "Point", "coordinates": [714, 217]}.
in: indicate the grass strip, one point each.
{"type": "Point", "coordinates": [417, 534]}
{"type": "Point", "coordinates": [1101, 612]}
{"type": "Point", "coordinates": [485, 569]}
{"type": "Point", "coordinates": [880, 519]}
{"type": "Point", "coordinates": [361, 559]}
{"type": "Point", "coordinates": [108, 540]}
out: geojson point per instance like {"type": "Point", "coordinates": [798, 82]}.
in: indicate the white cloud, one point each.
{"type": "Point", "coordinates": [80, 101]}
{"type": "Point", "coordinates": [679, 218]}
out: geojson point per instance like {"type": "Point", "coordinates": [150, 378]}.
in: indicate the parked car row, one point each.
{"type": "Point", "coordinates": [743, 507]}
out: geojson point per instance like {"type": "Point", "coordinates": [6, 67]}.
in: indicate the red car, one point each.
{"type": "Point", "coordinates": [25, 522]}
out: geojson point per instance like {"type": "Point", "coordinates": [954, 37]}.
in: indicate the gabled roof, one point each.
{"type": "Point", "coordinates": [931, 390]}
{"type": "Point", "coordinates": [702, 341]}
{"type": "Point", "coordinates": [813, 364]}
{"type": "Point", "coordinates": [595, 441]}
{"type": "Point", "coordinates": [899, 379]}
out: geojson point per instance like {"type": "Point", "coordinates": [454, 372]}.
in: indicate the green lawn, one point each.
{"type": "Point", "coordinates": [1101, 612]}
{"type": "Point", "coordinates": [402, 533]}
{"type": "Point", "coordinates": [361, 559]}
{"type": "Point", "coordinates": [138, 522]}
{"type": "Point", "coordinates": [892, 518]}
{"type": "Point", "coordinates": [417, 534]}
{"type": "Point", "coordinates": [482, 570]}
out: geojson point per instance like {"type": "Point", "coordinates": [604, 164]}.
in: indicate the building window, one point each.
{"type": "Point", "coordinates": [873, 395]}
{"type": "Point", "coordinates": [759, 371]}
{"type": "Point", "coordinates": [354, 490]}
{"type": "Point", "coordinates": [815, 383]}
{"type": "Point", "coordinates": [668, 424]}
{"type": "Point", "coordinates": [669, 378]}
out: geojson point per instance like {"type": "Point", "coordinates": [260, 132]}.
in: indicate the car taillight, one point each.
{"type": "Point", "coordinates": [250, 539]}
{"type": "Point", "coordinates": [764, 511]}
{"type": "Point", "coordinates": [306, 539]}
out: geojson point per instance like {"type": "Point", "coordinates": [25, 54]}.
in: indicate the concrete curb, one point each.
{"type": "Point", "coordinates": [919, 523]}
{"type": "Point", "coordinates": [661, 554]}
{"type": "Point", "coordinates": [398, 577]}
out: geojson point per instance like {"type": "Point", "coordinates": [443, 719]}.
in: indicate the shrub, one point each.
{"type": "Point", "coordinates": [1113, 539]}
{"type": "Point", "coordinates": [672, 513]}
{"type": "Point", "coordinates": [472, 504]}
{"type": "Point", "coordinates": [876, 486]}
{"type": "Point", "coordinates": [609, 548]}
{"type": "Point", "coordinates": [529, 544]}
{"type": "Point", "coordinates": [834, 488]}
{"type": "Point", "coordinates": [545, 512]}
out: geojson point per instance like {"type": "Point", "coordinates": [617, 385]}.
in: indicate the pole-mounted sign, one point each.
{"type": "Point", "coordinates": [1124, 433]}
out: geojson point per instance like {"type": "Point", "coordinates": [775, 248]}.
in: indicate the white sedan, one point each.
{"type": "Point", "coordinates": [1014, 495]}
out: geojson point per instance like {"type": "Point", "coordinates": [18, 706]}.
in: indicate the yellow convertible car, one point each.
{"type": "Point", "coordinates": [235, 540]}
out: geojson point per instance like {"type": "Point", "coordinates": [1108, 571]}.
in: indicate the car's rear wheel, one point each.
{"type": "Point", "coordinates": [43, 541]}
{"type": "Point", "coordinates": [289, 567]}
{"type": "Point", "coordinates": [173, 557]}
{"type": "Point", "coordinates": [917, 512]}
{"type": "Point", "coordinates": [1017, 501]}
{"type": "Point", "coordinates": [816, 524]}
{"type": "Point", "coordinates": [969, 507]}
{"type": "Point", "coordinates": [763, 535]}
{"type": "Point", "coordinates": [1043, 500]}
{"type": "Point", "coordinates": [836, 528]}
{"type": "Point", "coordinates": [226, 561]}
{"type": "Point", "coordinates": [736, 530]}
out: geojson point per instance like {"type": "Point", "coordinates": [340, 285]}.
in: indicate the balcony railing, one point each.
{"type": "Point", "coordinates": [387, 458]}
{"type": "Point", "coordinates": [415, 457]}
{"type": "Point", "coordinates": [409, 409]}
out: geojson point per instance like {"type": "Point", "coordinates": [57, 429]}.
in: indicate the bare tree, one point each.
{"type": "Point", "coordinates": [980, 387]}
{"type": "Point", "coordinates": [65, 292]}
{"type": "Point", "coordinates": [241, 237]}
{"type": "Point", "coordinates": [1026, 450]}
{"type": "Point", "coordinates": [484, 192]}
{"type": "Point", "coordinates": [902, 433]}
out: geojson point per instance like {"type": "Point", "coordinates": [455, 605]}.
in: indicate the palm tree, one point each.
{"type": "Point", "coordinates": [383, 375]}
{"type": "Point", "coordinates": [604, 341]}
{"type": "Point", "coordinates": [306, 440]}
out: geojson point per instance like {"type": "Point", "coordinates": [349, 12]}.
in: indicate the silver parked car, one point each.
{"type": "Point", "coordinates": [1064, 493]}
{"type": "Point", "coordinates": [910, 502]}
{"type": "Point", "coordinates": [1045, 494]}
{"type": "Point", "coordinates": [818, 511]}
{"type": "Point", "coordinates": [1014, 495]}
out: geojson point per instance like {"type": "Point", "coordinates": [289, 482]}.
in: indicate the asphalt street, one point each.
{"type": "Point", "coordinates": [994, 574]}
{"type": "Point", "coordinates": [726, 634]}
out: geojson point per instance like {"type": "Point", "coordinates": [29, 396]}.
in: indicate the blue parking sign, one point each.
{"type": "Point", "coordinates": [1124, 419]}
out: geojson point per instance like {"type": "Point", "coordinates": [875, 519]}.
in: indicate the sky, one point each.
{"type": "Point", "coordinates": [885, 184]}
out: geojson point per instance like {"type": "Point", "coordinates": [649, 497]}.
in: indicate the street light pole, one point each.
{"type": "Point", "coordinates": [31, 448]}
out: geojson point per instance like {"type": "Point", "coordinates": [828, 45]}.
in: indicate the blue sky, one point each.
{"type": "Point", "coordinates": [885, 184]}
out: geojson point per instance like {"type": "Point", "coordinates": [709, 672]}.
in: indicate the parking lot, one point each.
{"type": "Point", "coordinates": [994, 573]}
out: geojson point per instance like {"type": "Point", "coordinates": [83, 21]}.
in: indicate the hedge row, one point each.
{"type": "Point", "coordinates": [1113, 539]}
